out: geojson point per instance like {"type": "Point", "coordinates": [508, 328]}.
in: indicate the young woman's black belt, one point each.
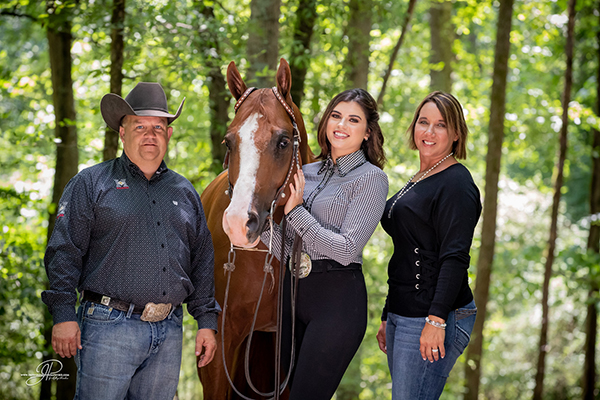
{"type": "Point", "coordinates": [332, 265]}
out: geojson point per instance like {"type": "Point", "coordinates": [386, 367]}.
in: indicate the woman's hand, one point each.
{"type": "Point", "coordinates": [432, 341]}
{"type": "Point", "coordinates": [381, 336]}
{"type": "Point", "coordinates": [296, 192]}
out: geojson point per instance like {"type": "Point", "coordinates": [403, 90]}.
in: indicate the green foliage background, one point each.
{"type": "Point", "coordinates": [163, 44]}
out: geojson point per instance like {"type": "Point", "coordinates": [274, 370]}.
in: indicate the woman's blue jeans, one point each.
{"type": "Point", "coordinates": [412, 377]}
{"type": "Point", "coordinates": [126, 358]}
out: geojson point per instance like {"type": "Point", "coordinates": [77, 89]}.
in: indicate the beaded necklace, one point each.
{"type": "Point", "coordinates": [406, 187]}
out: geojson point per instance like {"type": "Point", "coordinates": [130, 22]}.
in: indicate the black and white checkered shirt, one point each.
{"type": "Point", "coordinates": [343, 203]}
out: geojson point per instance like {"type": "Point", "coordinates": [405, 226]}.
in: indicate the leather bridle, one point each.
{"type": "Point", "coordinates": [229, 266]}
{"type": "Point", "coordinates": [279, 198]}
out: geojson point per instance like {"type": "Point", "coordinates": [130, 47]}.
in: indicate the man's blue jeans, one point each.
{"type": "Point", "coordinates": [412, 377]}
{"type": "Point", "coordinates": [126, 358]}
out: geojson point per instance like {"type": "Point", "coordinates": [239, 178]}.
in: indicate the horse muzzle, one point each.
{"type": "Point", "coordinates": [243, 229]}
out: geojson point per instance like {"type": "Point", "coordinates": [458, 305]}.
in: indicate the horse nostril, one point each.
{"type": "Point", "coordinates": [253, 222]}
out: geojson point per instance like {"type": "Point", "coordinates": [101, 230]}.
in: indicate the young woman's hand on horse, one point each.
{"type": "Point", "coordinates": [296, 192]}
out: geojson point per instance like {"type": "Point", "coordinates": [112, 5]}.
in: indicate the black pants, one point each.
{"type": "Point", "coordinates": [331, 319]}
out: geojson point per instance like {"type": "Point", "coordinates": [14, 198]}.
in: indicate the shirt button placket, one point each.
{"type": "Point", "coordinates": [161, 238]}
{"type": "Point", "coordinates": [320, 187]}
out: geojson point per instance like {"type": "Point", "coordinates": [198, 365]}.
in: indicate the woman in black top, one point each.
{"type": "Point", "coordinates": [429, 312]}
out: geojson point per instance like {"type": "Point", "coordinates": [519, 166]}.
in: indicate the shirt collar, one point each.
{"type": "Point", "coordinates": [126, 161]}
{"type": "Point", "coordinates": [344, 164]}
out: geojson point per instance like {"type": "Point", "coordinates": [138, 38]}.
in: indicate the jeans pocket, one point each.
{"type": "Point", "coordinates": [464, 327]}
{"type": "Point", "coordinates": [177, 316]}
{"type": "Point", "coordinates": [100, 314]}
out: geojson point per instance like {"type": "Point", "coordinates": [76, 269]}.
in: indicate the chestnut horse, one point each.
{"type": "Point", "coordinates": [237, 204]}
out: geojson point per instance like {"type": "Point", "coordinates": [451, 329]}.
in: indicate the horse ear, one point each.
{"type": "Point", "coordinates": [284, 80]}
{"type": "Point", "coordinates": [236, 84]}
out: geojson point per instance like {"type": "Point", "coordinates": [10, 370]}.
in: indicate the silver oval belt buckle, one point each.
{"type": "Point", "coordinates": [155, 312]}
{"type": "Point", "coordinates": [305, 266]}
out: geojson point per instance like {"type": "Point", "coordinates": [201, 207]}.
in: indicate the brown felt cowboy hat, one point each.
{"type": "Point", "coordinates": [146, 99]}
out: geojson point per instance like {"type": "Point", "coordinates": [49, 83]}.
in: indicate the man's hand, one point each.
{"type": "Point", "coordinates": [206, 345]}
{"type": "Point", "coordinates": [66, 338]}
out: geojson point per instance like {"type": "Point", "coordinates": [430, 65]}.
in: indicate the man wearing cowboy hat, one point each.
{"type": "Point", "coordinates": [131, 238]}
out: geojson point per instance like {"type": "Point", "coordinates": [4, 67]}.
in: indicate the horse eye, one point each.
{"type": "Point", "coordinates": [283, 143]}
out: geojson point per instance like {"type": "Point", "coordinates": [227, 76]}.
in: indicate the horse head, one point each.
{"type": "Point", "coordinates": [264, 150]}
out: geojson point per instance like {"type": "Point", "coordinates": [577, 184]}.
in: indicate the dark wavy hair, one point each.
{"type": "Point", "coordinates": [452, 112]}
{"type": "Point", "coordinates": [373, 147]}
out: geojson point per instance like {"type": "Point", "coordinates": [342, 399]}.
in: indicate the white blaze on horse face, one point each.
{"type": "Point", "coordinates": [235, 216]}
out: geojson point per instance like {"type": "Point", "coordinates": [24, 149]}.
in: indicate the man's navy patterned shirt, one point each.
{"type": "Point", "coordinates": [133, 239]}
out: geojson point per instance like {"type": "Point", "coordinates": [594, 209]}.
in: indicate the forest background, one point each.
{"type": "Point", "coordinates": [513, 64]}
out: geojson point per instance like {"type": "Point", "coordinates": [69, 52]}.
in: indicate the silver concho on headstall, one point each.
{"type": "Point", "coordinates": [305, 265]}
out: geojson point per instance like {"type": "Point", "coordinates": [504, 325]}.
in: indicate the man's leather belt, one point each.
{"type": "Point", "coordinates": [110, 302]}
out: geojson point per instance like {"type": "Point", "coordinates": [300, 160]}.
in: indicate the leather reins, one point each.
{"type": "Point", "coordinates": [229, 266]}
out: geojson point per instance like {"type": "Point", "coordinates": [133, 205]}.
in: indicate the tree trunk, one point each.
{"type": "Point", "coordinates": [388, 71]}
{"type": "Point", "coordinates": [442, 36]}
{"type": "Point", "coordinates": [46, 385]}
{"type": "Point", "coordinates": [591, 328]}
{"type": "Point", "coordinates": [558, 183]}
{"type": "Point", "coordinates": [263, 42]}
{"type": "Point", "coordinates": [67, 157]}
{"type": "Point", "coordinates": [218, 96]}
{"type": "Point", "coordinates": [359, 38]}
{"type": "Point", "coordinates": [490, 205]}
{"type": "Point", "coordinates": [117, 46]}
{"type": "Point", "coordinates": [218, 101]}
{"type": "Point", "coordinates": [591, 323]}
{"type": "Point", "coordinates": [306, 15]}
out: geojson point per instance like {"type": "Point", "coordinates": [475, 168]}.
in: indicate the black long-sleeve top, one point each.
{"type": "Point", "coordinates": [432, 229]}
{"type": "Point", "coordinates": [137, 240]}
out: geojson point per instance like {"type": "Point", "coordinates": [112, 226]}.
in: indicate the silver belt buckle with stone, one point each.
{"type": "Point", "coordinates": [155, 312]}
{"type": "Point", "coordinates": [305, 266]}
